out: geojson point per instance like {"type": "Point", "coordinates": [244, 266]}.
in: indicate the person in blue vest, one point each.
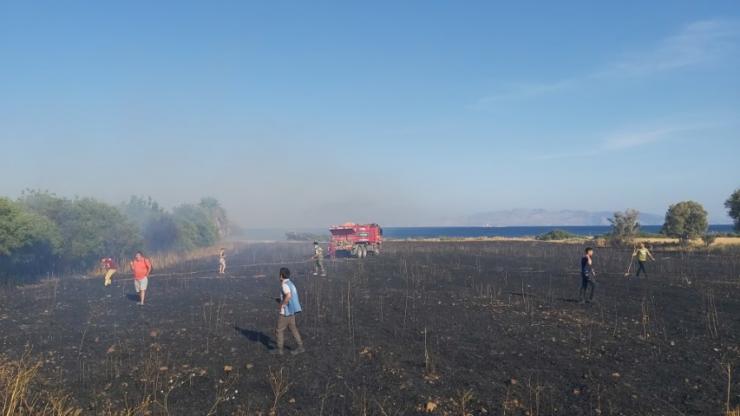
{"type": "Point", "coordinates": [289, 307]}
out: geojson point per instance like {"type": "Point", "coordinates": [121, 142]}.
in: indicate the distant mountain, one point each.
{"type": "Point", "coordinates": [535, 217]}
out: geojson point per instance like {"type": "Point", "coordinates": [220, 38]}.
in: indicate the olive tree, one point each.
{"type": "Point", "coordinates": [685, 220]}
{"type": "Point", "coordinates": [733, 208]}
{"type": "Point", "coordinates": [625, 226]}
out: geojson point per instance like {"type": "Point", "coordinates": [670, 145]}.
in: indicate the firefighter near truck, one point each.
{"type": "Point", "coordinates": [355, 240]}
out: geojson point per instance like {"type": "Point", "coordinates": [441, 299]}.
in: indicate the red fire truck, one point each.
{"type": "Point", "coordinates": [355, 239]}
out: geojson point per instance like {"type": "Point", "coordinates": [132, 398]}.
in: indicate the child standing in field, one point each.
{"type": "Point", "coordinates": [141, 267]}
{"type": "Point", "coordinates": [642, 254]}
{"type": "Point", "coordinates": [110, 268]}
{"type": "Point", "coordinates": [222, 262]}
{"type": "Point", "coordinates": [289, 307]}
{"type": "Point", "coordinates": [587, 275]}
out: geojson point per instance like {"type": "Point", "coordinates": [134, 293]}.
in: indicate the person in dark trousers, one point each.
{"type": "Point", "coordinates": [588, 275]}
{"type": "Point", "coordinates": [642, 255]}
{"type": "Point", "coordinates": [289, 307]}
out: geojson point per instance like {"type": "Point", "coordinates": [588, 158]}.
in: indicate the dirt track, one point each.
{"type": "Point", "coordinates": [492, 324]}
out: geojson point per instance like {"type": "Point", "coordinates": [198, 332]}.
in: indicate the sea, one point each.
{"type": "Point", "coordinates": [523, 231]}
{"type": "Point", "coordinates": [528, 231]}
{"type": "Point", "coordinates": [402, 233]}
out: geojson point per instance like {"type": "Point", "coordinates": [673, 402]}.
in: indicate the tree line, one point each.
{"type": "Point", "coordinates": [685, 220]}
{"type": "Point", "coordinates": [42, 233]}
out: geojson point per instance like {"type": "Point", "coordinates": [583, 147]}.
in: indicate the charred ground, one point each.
{"type": "Point", "coordinates": [476, 327]}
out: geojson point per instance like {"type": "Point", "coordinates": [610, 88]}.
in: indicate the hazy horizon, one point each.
{"type": "Point", "coordinates": [307, 115]}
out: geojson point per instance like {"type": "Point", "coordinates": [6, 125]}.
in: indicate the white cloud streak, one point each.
{"type": "Point", "coordinates": [624, 141]}
{"type": "Point", "coordinates": [699, 43]}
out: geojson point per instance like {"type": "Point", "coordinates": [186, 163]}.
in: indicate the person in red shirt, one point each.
{"type": "Point", "coordinates": [141, 267]}
{"type": "Point", "coordinates": [110, 269]}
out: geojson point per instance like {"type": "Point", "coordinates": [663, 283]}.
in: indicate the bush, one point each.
{"type": "Point", "coordinates": [556, 235]}
{"type": "Point", "coordinates": [709, 239]}
{"type": "Point", "coordinates": [685, 220]}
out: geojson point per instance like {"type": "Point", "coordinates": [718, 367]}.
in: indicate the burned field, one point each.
{"type": "Point", "coordinates": [446, 327]}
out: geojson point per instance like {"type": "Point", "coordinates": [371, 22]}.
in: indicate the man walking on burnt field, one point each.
{"type": "Point", "coordinates": [289, 307]}
{"type": "Point", "coordinates": [642, 254]}
{"type": "Point", "coordinates": [141, 267]}
{"type": "Point", "coordinates": [588, 275]}
{"type": "Point", "coordinates": [318, 256]}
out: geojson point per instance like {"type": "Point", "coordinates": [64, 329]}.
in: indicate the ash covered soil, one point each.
{"type": "Point", "coordinates": [475, 327]}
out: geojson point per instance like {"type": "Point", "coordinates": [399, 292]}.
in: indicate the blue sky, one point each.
{"type": "Point", "coordinates": [405, 113]}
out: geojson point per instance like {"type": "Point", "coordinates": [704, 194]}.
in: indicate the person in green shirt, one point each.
{"type": "Point", "coordinates": [642, 255]}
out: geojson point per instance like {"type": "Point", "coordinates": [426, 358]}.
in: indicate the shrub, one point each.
{"type": "Point", "coordinates": [709, 239]}
{"type": "Point", "coordinates": [556, 235]}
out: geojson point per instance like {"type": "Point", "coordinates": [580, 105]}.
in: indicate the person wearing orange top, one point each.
{"type": "Point", "coordinates": [141, 267]}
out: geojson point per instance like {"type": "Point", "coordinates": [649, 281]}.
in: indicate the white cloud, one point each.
{"type": "Point", "coordinates": [625, 140]}
{"type": "Point", "coordinates": [637, 139]}
{"type": "Point", "coordinates": [699, 43]}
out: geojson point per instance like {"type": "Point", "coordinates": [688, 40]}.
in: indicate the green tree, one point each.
{"type": "Point", "coordinates": [92, 229]}
{"type": "Point", "coordinates": [685, 220]}
{"type": "Point", "coordinates": [625, 226]}
{"type": "Point", "coordinates": [28, 242]}
{"type": "Point", "coordinates": [157, 226]}
{"type": "Point", "coordinates": [195, 227]}
{"type": "Point", "coordinates": [44, 203]}
{"type": "Point", "coordinates": [141, 210]}
{"type": "Point", "coordinates": [733, 208]}
{"type": "Point", "coordinates": [187, 227]}
{"type": "Point", "coordinates": [89, 229]}
{"type": "Point", "coordinates": [217, 215]}
{"type": "Point", "coordinates": [161, 233]}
